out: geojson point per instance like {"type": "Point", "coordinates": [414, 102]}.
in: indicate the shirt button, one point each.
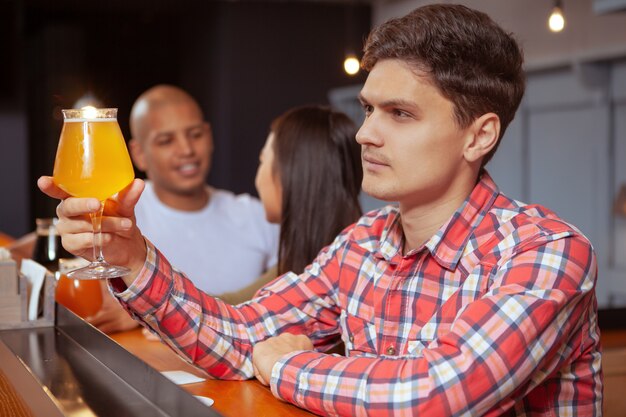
{"type": "Point", "coordinates": [351, 338]}
{"type": "Point", "coordinates": [391, 350]}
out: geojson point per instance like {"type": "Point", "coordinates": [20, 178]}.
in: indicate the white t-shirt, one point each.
{"type": "Point", "coordinates": [221, 248]}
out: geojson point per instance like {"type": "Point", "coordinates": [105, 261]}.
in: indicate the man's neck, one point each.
{"type": "Point", "coordinates": [420, 221]}
{"type": "Point", "coordinates": [192, 201]}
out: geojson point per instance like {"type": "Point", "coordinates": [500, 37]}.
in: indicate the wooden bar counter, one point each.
{"type": "Point", "coordinates": [72, 369]}
{"type": "Point", "coordinates": [231, 398]}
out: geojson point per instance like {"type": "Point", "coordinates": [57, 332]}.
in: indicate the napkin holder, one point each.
{"type": "Point", "coordinates": [14, 298]}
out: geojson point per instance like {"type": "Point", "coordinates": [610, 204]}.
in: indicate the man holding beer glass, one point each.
{"type": "Point", "coordinates": [459, 301]}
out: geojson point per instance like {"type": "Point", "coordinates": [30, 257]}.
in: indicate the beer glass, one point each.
{"type": "Point", "coordinates": [92, 161]}
{"type": "Point", "coordinates": [83, 297]}
{"type": "Point", "coordinates": [48, 250]}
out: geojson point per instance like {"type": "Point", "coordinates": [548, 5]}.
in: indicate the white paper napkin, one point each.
{"type": "Point", "coordinates": [206, 400]}
{"type": "Point", "coordinates": [182, 377]}
{"type": "Point", "coordinates": [35, 274]}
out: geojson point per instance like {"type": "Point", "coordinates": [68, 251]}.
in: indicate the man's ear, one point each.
{"type": "Point", "coordinates": [137, 154]}
{"type": "Point", "coordinates": [483, 137]}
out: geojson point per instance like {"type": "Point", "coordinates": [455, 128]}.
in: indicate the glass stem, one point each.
{"type": "Point", "coordinates": [96, 222]}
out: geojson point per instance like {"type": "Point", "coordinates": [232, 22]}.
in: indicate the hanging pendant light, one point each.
{"type": "Point", "coordinates": [351, 64]}
{"type": "Point", "coordinates": [556, 21]}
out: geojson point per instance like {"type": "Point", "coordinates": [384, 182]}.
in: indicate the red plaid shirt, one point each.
{"type": "Point", "coordinates": [495, 314]}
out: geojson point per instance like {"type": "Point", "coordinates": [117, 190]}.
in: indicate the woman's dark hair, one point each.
{"type": "Point", "coordinates": [318, 162]}
{"type": "Point", "coordinates": [471, 60]}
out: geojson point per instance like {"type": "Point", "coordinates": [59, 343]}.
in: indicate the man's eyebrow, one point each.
{"type": "Point", "coordinates": [171, 132]}
{"type": "Point", "coordinates": [164, 133]}
{"type": "Point", "coordinates": [198, 126]}
{"type": "Point", "coordinates": [398, 102]}
{"type": "Point", "coordinates": [392, 103]}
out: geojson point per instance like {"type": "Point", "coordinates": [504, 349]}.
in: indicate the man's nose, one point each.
{"type": "Point", "coordinates": [184, 146]}
{"type": "Point", "coordinates": [368, 132]}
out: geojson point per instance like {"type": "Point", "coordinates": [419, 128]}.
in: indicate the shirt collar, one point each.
{"type": "Point", "coordinates": [448, 244]}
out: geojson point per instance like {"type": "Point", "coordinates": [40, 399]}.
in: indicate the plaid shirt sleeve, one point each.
{"type": "Point", "coordinates": [499, 348]}
{"type": "Point", "coordinates": [219, 337]}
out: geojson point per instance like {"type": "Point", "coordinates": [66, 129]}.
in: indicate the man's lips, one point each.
{"type": "Point", "coordinates": [190, 168]}
{"type": "Point", "coordinates": [375, 160]}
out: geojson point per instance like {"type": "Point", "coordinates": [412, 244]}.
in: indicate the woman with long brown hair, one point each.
{"type": "Point", "coordinates": [309, 179]}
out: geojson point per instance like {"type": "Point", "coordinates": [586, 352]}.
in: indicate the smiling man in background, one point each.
{"type": "Point", "coordinates": [221, 241]}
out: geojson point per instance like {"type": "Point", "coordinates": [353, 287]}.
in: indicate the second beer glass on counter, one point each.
{"type": "Point", "coordinates": [48, 249]}
{"type": "Point", "coordinates": [83, 297]}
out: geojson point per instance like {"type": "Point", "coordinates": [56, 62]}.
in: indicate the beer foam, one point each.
{"type": "Point", "coordinates": [82, 120]}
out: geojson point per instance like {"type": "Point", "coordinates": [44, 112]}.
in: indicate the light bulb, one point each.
{"type": "Point", "coordinates": [556, 22]}
{"type": "Point", "coordinates": [89, 112]}
{"type": "Point", "coordinates": [351, 65]}
{"type": "Point", "coordinates": [87, 99]}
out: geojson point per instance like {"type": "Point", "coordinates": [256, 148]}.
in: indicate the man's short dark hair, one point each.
{"type": "Point", "coordinates": [471, 60]}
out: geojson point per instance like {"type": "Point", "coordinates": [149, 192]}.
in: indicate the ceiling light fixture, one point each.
{"type": "Point", "coordinates": [351, 64]}
{"type": "Point", "coordinates": [556, 21]}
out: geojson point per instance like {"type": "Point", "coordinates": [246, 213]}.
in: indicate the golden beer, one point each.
{"type": "Point", "coordinates": [92, 159]}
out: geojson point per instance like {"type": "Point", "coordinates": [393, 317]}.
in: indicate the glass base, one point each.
{"type": "Point", "coordinates": [99, 270]}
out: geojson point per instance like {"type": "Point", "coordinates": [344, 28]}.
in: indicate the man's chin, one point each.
{"type": "Point", "coordinates": [198, 189]}
{"type": "Point", "coordinates": [187, 189]}
{"type": "Point", "coordinates": [379, 192]}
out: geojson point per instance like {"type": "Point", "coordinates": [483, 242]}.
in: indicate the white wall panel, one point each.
{"type": "Point", "coordinates": [568, 169]}
{"type": "Point", "coordinates": [558, 88]}
{"type": "Point", "coordinates": [507, 165]}
{"type": "Point", "coordinates": [618, 88]}
{"type": "Point", "coordinates": [619, 247]}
